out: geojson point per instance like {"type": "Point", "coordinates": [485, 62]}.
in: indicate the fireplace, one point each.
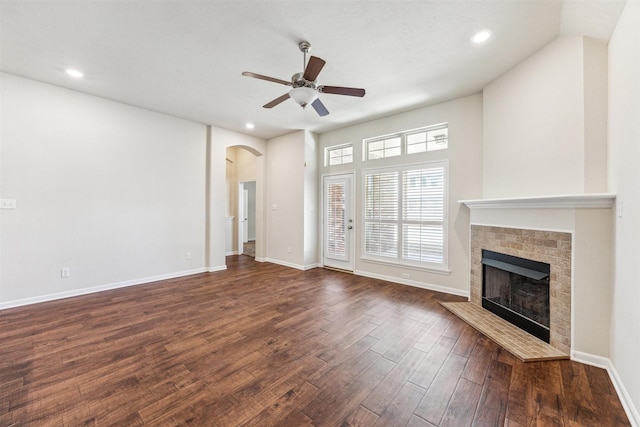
{"type": "Point", "coordinates": [545, 246]}
{"type": "Point", "coordinates": [517, 289]}
{"type": "Point", "coordinates": [571, 233]}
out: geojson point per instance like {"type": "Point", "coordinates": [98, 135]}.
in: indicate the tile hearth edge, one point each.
{"type": "Point", "coordinates": [521, 344]}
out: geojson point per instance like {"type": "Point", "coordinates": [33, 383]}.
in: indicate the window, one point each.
{"type": "Point", "coordinates": [339, 155]}
{"type": "Point", "coordinates": [380, 148]}
{"type": "Point", "coordinates": [414, 141]}
{"type": "Point", "coordinates": [405, 215]}
{"type": "Point", "coordinates": [427, 139]}
{"type": "Point", "coordinates": [381, 212]}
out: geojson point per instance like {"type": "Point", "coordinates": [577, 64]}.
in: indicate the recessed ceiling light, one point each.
{"type": "Point", "coordinates": [250, 125]}
{"type": "Point", "coordinates": [74, 73]}
{"type": "Point", "coordinates": [481, 36]}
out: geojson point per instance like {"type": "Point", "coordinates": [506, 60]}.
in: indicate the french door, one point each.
{"type": "Point", "coordinates": [338, 226]}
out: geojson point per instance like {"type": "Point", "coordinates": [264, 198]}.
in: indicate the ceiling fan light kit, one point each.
{"type": "Point", "coordinates": [304, 90]}
{"type": "Point", "coordinates": [303, 95]}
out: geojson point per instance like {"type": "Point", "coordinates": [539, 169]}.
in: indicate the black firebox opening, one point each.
{"type": "Point", "coordinates": [517, 289]}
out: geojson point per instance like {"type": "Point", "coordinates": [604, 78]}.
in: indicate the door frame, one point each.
{"type": "Point", "coordinates": [242, 215]}
{"type": "Point", "coordinates": [352, 203]}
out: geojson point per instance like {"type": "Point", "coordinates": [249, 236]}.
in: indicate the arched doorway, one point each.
{"type": "Point", "coordinates": [243, 176]}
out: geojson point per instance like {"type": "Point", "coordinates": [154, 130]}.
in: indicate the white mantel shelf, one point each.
{"type": "Point", "coordinates": [570, 201]}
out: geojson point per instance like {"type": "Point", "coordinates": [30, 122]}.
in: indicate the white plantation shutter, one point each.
{"type": "Point", "coordinates": [423, 215]}
{"type": "Point", "coordinates": [381, 214]}
{"type": "Point", "coordinates": [382, 196]}
{"type": "Point", "coordinates": [405, 213]}
{"type": "Point", "coordinates": [336, 219]}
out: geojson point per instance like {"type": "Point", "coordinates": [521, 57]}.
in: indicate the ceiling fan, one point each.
{"type": "Point", "coordinates": [305, 92]}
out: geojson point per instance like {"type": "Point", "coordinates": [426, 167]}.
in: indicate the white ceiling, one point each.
{"type": "Point", "coordinates": [185, 58]}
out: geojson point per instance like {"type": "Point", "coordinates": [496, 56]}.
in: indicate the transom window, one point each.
{"type": "Point", "coordinates": [421, 140]}
{"type": "Point", "coordinates": [380, 148]}
{"type": "Point", "coordinates": [428, 139]}
{"type": "Point", "coordinates": [339, 155]}
{"type": "Point", "coordinates": [405, 215]}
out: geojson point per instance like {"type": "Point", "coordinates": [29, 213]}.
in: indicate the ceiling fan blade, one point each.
{"type": "Point", "coordinates": [337, 90]}
{"type": "Point", "coordinates": [314, 66]}
{"type": "Point", "coordinates": [267, 78]}
{"type": "Point", "coordinates": [276, 101]}
{"type": "Point", "coordinates": [319, 107]}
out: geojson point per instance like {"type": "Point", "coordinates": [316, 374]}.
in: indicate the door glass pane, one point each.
{"type": "Point", "coordinates": [336, 219]}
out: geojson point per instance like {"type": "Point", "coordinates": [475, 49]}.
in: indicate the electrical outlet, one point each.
{"type": "Point", "coordinates": [188, 255]}
{"type": "Point", "coordinates": [288, 249]}
{"type": "Point", "coordinates": [7, 204]}
{"type": "Point", "coordinates": [65, 272]}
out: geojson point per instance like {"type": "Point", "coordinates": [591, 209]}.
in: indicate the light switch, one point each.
{"type": "Point", "coordinates": [619, 208]}
{"type": "Point", "coordinates": [8, 204]}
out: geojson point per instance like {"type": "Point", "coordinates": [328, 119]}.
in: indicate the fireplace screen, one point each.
{"type": "Point", "coordinates": [517, 290]}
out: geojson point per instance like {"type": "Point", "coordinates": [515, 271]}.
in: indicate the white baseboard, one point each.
{"type": "Point", "coordinates": [93, 289]}
{"type": "Point", "coordinates": [590, 359]}
{"type": "Point", "coordinates": [217, 268]}
{"type": "Point", "coordinates": [289, 264]}
{"type": "Point", "coordinates": [413, 283]}
{"type": "Point", "coordinates": [623, 395]}
{"type": "Point", "coordinates": [260, 259]}
{"type": "Point", "coordinates": [231, 253]}
{"type": "Point", "coordinates": [310, 266]}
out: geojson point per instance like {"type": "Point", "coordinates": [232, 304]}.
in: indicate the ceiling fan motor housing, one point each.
{"type": "Point", "coordinates": [298, 81]}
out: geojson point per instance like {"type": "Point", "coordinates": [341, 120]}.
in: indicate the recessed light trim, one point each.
{"type": "Point", "coordinates": [74, 73]}
{"type": "Point", "coordinates": [481, 36]}
{"type": "Point", "coordinates": [249, 125]}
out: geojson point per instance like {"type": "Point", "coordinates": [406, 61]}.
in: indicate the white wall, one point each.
{"type": "Point", "coordinates": [624, 180]}
{"type": "Point", "coordinates": [595, 115]}
{"type": "Point", "coordinates": [230, 182]}
{"type": "Point", "coordinates": [113, 192]}
{"type": "Point", "coordinates": [291, 203]}
{"type": "Point", "coordinates": [251, 206]}
{"type": "Point", "coordinates": [285, 199]}
{"type": "Point", "coordinates": [311, 217]}
{"type": "Point", "coordinates": [545, 123]}
{"type": "Point", "coordinates": [464, 154]}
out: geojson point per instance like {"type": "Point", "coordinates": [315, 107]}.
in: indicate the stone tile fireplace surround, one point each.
{"type": "Point", "coordinates": [553, 248]}
{"type": "Point", "coordinates": [570, 233]}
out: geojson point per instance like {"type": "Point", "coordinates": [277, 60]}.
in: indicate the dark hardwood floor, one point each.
{"type": "Point", "coordinates": [260, 345]}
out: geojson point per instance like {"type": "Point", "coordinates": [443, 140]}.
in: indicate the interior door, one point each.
{"type": "Point", "coordinates": [338, 227]}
